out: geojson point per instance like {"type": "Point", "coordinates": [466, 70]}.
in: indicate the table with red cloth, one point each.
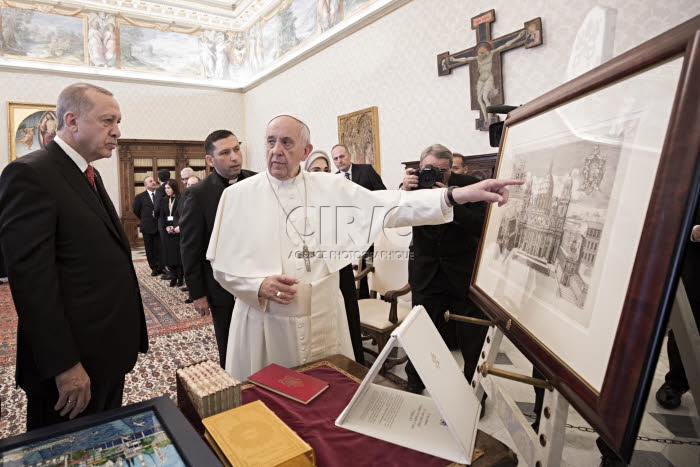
{"type": "Point", "coordinates": [335, 446]}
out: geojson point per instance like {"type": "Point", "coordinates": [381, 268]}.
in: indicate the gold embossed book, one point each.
{"type": "Point", "coordinates": [290, 383]}
{"type": "Point", "coordinates": [252, 436]}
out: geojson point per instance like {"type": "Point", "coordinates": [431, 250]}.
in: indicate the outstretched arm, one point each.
{"type": "Point", "coordinates": [451, 59]}
{"type": "Point", "coordinates": [490, 190]}
{"type": "Point", "coordinates": [510, 42]}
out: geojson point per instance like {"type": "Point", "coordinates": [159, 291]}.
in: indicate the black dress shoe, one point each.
{"type": "Point", "coordinates": [167, 276]}
{"type": "Point", "coordinates": [189, 300]}
{"type": "Point", "coordinates": [184, 289]}
{"type": "Point", "coordinates": [173, 282]}
{"type": "Point", "coordinates": [180, 281]}
{"type": "Point", "coordinates": [156, 272]}
{"type": "Point", "coordinates": [669, 397]}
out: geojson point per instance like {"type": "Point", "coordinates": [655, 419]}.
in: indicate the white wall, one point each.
{"type": "Point", "coordinates": [392, 64]}
{"type": "Point", "coordinates": [149, 111]}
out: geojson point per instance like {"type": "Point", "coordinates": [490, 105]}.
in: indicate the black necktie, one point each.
{"type": "Point", "coordinates": [151, 195]}
{"type": "Point", "coordinates": [347, 175]}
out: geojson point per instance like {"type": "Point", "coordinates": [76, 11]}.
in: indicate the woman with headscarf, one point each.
{"type": "Point", "coordinates": [318, 161]}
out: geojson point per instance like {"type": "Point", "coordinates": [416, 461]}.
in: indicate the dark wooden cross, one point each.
{"type": "Point", "coordinates": [484, 60]}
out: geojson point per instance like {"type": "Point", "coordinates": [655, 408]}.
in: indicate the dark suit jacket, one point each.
{"type": "Point", "coordinates": [171, 251]}
{"type": "Point", "coordinates": [448, 249]}
{"type": "Point", "coordinates": [196, 225]}
{"type": "Point", "coordinates": [157, 196]}
{"type": "Point", "coordinates": [365, 175]}
{"type": "Point", "coordinates": [69, 264]}
{"type": "Point", "coordinates": [143, 209]}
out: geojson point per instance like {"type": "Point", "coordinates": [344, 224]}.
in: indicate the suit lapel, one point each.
{"type": "Point", "coordinates": [109, 207]}
{"type": "Point", "coordinates": [355, 174]}
{"type": "Point", "coordinates": [78, 182]}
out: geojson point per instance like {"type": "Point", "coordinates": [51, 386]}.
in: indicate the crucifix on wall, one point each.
{"type": "Point", "coordinates": [484, 60]}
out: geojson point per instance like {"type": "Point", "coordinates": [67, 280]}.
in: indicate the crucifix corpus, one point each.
{"type": "Point", "coordinates": [484, 60]}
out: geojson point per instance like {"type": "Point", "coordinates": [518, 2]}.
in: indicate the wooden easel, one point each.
{"type": "Point", "coordinates": [545, 448]}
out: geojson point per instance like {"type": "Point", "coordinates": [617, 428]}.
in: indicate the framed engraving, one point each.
{"type": "Point", "coordinates": [583, 260]}
{"type": "Point", "coordinates": [359, 131]}
{"type": "Point", "coordinates": [31, 127]}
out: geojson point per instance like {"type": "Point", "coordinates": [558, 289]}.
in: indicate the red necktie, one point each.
{"type": "Point", "coordinates": [90, 174]}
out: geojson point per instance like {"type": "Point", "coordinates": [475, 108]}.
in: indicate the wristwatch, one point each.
{"type": "Point", "coordinates": [450, 198]}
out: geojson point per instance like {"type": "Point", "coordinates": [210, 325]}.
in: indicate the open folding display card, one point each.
{"type": "Point", "coordinates": [442, 424]}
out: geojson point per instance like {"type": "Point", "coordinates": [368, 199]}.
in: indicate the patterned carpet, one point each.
{"type": "Point", "coordinates": [178, 336]}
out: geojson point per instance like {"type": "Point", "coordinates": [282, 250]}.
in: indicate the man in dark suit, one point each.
{"type": "Point", "coordinates": [441, 264]}
{"type": "Point", "coordinates": [362, 174]}
{"type": "Point", "coordinates": [365, 176]}
{"type": "Point", "coordinates": [163, 176]}
{"type": "Point", "coordinates": [143, 209]}
{"type": "Point", "coordinates": [80, 319]}
{"type": "Point", "coordinates": [223, 155]}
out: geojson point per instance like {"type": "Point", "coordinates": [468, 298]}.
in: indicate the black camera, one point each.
{"type": "Point", "coordinates": [428, 176]}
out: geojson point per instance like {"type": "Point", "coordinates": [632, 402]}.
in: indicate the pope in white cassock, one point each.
{"type": "Point", "coordinates": [280, 238]}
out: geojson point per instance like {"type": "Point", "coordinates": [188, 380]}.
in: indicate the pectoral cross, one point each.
{"type": "Point", "coordinates": [307, 255]}
{"type": "Point", "coordinates": [484, 60]}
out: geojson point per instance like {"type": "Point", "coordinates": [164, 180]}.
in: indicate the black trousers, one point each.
{"type": "Point", "coordinates": [470, 337]}
{"type": "Point", "coordinates": [221, 316]}
{"type": "Point", "coordinates": [676, 373]}
{"type": "Point", "coordinates": [151, 243]}
{"type": "Point", "coordinates": [352, 311]}
{"type": "Point", "coordinates": [105, 394]}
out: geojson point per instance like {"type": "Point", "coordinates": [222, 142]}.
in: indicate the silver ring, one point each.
{"type": "Point", "coordinates": [278, 294]}
{"type": "Point", "coordinates": [70, 401]}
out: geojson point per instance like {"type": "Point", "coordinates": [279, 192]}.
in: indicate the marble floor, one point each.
{"type": "Point", "coordinates": [681, 425]}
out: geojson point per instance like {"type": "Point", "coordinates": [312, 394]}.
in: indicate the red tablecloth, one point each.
{"type": "Point", "coordinates": [334, 446]}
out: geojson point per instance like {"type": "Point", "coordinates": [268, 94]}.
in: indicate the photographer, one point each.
{"type": "Point", "coordinates": [442, 259]}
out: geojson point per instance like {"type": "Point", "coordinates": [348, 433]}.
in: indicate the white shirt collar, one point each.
{"type": "Point", "coordinates": [72, 153]}
{"type": "Point", "coordinates": [348, 172]}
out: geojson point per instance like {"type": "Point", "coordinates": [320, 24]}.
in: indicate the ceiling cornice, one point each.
{"type": "Point", "coordinates": [205, 14]}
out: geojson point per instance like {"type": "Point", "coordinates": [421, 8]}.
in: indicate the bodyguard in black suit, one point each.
{"type": "Point", "coordinates": [362, 174]}
{"type": "Point", "coordinates": [441, 264]}
{"type": "Point", "coordinates": [143, 209]}
{"type": "Point", "coordinates": [80, 319]}
{"type": "Point", "coordinates": [223, 154]}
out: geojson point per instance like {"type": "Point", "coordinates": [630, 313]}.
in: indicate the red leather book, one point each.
{"type": "Point", "coordinates": [290, 383]}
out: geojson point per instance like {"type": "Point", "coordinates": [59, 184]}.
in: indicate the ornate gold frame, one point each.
{"type": "Point", "coordinates": [350, 133]}
{"type": "Point", "coordinates": [16, 113]}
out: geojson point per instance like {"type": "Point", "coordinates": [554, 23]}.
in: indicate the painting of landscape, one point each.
{"type": "Point", "coordinates": [33, 35]}
{"type": "Point", "coordinates": [148, 49]}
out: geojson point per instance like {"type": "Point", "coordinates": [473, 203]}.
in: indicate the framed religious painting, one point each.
{"type": "Point", "coordinates": [579, 269]}
{"type": "Point", "coordinates": [31, 127]}
{"type": "Point", "coordinates": [152, 432]}
{"type": "Point", "coordinates": [359, 131]}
